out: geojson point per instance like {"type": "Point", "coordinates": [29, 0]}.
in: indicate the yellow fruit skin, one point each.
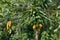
{"type": "Point", "coordinates": [40, 26]}
{"type": "Point", "coordinates": [34, 26]}
{"type": "Point", "coordinates": [8, 25]}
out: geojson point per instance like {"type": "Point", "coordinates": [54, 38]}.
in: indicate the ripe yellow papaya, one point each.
{"type": "Point", "coordinates": [40, 26]}
{"type": "Point", "coordinates": [9, 25]}
{"type": "Point", "coordinates": [34, 26]}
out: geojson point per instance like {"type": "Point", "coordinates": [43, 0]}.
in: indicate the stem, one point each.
{"type": "Point", "coordinates": [37, 31]}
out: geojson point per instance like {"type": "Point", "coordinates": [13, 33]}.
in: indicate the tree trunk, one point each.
{"type": "Point", "coordinates": [37, 31]}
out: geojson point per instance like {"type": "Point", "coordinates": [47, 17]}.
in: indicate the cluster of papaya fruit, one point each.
{"type": "Point", "coordinates": [39, 26]}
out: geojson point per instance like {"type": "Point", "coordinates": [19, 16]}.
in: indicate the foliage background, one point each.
{"type": "Point", "coordinates": [23, 14]}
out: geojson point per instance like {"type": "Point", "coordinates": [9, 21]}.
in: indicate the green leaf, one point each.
{"type": "Point", "coordinates": [1, 16]}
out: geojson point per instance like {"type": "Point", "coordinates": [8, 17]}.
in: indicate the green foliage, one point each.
{"type": "Point", "coordinates": [24, 13]}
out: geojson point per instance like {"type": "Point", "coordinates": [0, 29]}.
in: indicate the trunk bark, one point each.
{"type": "Point", "coordinates": [37, 31]}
